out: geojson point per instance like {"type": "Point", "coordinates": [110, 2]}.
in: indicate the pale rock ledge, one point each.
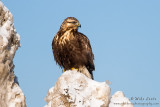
{"type": "Point", "coordinates": [10, 93]}
{"type": "Point", "coordinates": [74, 89]}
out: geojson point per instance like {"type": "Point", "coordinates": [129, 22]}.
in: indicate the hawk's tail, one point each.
{"type": "Point", "coordinates": [91, 72]}
{"type": "Point", "coordinates": [86, 72]}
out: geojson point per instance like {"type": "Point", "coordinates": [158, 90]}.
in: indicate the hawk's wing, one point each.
{"type": "Point", "coordinates": [87, 50]}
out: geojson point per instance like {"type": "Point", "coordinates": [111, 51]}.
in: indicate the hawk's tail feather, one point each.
{"type": "Point", "coordinates": [86, 72]}
{"type": "Point", "coordinates": [91, 72]}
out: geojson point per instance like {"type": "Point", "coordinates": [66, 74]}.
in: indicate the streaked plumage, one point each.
{"type": "Point", "coordinates": [72, 48]}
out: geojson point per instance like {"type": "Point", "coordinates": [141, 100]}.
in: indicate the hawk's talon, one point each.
{"type": "Point", "coordinates": [74, 68]}
{"type": "Point", "coordinates": [64, 70]}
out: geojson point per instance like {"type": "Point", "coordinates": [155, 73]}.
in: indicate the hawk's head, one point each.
{"type": "Point", "coordinates": [70, 23]}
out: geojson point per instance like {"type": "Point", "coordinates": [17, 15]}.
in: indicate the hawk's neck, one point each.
{"type": "Point", "coordinates": [66, 36]}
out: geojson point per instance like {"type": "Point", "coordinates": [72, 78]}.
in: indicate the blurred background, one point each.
{"type": "Point", "coordinates": [124, 34]}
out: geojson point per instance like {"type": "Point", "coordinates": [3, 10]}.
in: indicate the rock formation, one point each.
{"type": "Point", "coordinates": [119, 100]}
{"type": "Point", "coordinates": [74, 89]}
{"type": "Point", "coordinates": [10, 93]}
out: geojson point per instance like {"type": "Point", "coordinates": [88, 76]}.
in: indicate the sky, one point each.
{"type": "Point", "coordinates": [124, 35]}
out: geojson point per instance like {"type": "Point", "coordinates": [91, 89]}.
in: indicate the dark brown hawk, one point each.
{"type": "Point", "coordinates": [72, 49]}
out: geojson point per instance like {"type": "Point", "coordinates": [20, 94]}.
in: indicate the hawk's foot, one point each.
{"type": "Point", "coordinates": [74, 68]}
{"type": "Point", "coordinates": [71, 69]}
{"type": "Point", "coordinates": [64, 70]}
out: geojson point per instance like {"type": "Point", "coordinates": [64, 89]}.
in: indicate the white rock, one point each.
{"type": "Point", "coordinates": [74, 89]}
{"type": "Point", "coordinates": [119, 100]}
{"type": "Point", "coordinates": [10, 93]}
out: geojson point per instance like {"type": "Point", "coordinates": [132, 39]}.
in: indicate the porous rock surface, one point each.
{"type": "Point", "coordinates": [10, 93]}
{"type": "Point", "coordinates": [74, 89]}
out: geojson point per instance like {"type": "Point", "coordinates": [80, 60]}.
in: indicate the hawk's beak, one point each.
{"type": "Point", "coordinates": [79, 25]}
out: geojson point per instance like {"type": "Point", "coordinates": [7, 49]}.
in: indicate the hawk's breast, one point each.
{"type": "Point", "coordinates": [67, 36]}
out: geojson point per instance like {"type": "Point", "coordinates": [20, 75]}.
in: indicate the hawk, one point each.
{"type": "Point", "coordinates": [72, 49]}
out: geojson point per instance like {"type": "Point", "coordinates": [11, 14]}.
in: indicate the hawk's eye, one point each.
{"type": "Point", "coordinates": [73, 22]}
